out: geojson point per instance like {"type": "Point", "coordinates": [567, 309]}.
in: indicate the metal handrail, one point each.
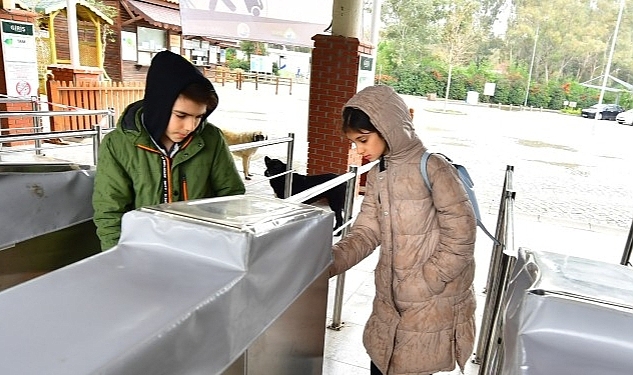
{"type": "Point", "coordinates": [492, 283]}
{"type": "Point", "coordinates": [269, 142]}
{"type": "Point", "coordinates": [78, 112]}
{"type": "Point", "coordinates": [628, 248]}
{"type": "Point", "coordinates": [48, 135]}
{"type": "Point", "coordinates": [490, 353]}
{"type": "Point", "coordinates": [96, 133]}
{"type": "Point", "coordinates": [321, 188]}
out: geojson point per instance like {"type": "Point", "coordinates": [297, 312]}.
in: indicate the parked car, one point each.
{"type": "Point", "coordinates": [602, 111]}
{"type": "Point", "coordinates": [625, 118]}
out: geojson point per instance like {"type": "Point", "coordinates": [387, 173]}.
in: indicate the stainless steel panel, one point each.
{"type": "Point", "coordinates": [48, 252]}
{"type": "Point", "coordinates": [294, 343]}
{"type": "Point", "coordinates": [46, 219]}
{"type": "Point", "coordinates": [567, 315]}
{"type": "Point", "coordinates": [37, 199]}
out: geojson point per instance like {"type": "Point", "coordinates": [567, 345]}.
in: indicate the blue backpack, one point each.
{"type": "Point", "coordinates": [468, 183]}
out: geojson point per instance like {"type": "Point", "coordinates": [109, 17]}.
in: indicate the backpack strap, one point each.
{"type": "Point", "coordinates": [425, 173]}
{"type": "Point", "coordinates": [464, 177]}
{"type": "Point", "coordinates": [423, 169]}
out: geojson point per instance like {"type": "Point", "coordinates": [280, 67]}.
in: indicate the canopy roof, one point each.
{"type": "Point", "coordinates": [85, 10]}
{"type": "Point", "coordinates": [627, 86]}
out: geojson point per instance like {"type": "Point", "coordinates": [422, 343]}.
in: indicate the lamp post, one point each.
{"type": "Point", "coordinates": [527, 90]}
{"type": "Point", "coordinates": [607, 71]}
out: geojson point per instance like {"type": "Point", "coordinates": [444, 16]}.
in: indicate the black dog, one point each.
{"type": "Point", "coordinates": [334, 196]}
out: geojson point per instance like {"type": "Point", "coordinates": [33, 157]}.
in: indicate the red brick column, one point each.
{"type": "Point", "coordinates": [15, 125]}
{"type": "Point", "coordinates": [333, 80]}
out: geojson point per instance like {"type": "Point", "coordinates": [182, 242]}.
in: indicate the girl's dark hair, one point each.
{"type": "Point", "coordinates": [356, 120]}
{"type": "Point", "coordinates": [201, 93]}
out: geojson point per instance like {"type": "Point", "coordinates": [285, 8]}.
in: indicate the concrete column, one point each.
{"type": "Point", "coordinates": [347, 18]}
{"type": "Point", "coordinates": [73, 36]}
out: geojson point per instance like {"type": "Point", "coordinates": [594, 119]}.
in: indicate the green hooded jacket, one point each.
{"type": "Point", "coordinates": [133, 172]}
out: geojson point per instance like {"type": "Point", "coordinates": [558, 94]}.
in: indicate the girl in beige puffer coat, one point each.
{"type": "Point", "coordinates": [422, 319]}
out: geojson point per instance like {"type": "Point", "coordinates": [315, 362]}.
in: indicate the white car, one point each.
{"type": "Point", "coordinates": [625, 118]}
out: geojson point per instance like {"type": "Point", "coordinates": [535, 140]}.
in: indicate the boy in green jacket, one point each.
{"type": "Point", "coordinates": [163, 150]}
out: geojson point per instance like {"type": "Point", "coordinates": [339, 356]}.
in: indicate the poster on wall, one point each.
{"type": "Point", "coordinates": [128, 46]}
{"type": "Point", "coordinates": [288, 22]}
{"type": "Point", "coordinates": [20, 58]}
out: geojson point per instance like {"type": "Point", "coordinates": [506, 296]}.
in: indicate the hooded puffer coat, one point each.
{"type": "Point", "coordinates": [422, 320]}
{"type": "Point", "coordinates": [133, 172]}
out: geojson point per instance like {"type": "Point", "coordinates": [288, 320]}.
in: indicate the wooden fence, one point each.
{"type": "Point", "coordinates": [223, 76]}
{"type": "Point", "coordinates": [117, 95]}
{"type": "Point", "coordinates": [89, 95]}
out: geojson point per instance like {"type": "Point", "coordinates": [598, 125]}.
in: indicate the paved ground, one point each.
{"type": "Point", "coordinates": [574, 191]}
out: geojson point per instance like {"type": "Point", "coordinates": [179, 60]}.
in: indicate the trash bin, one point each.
{"type": "Point", "coordinates": [215, 286]}
{"type": "Point", "coordinates": [46, 219]}
{"type": "Point", "coordinates": [567, 315]}
{"type": "Point", "coordinates": [472, 97]}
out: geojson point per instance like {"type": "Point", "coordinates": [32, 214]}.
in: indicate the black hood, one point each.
{"type": "Point", "coordinates": [167, 76]}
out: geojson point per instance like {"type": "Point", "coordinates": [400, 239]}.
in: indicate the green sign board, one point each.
{"type": "Point", "coordinates": [366, 62]}
{"type": "Point", "coordinates": [17, 28]}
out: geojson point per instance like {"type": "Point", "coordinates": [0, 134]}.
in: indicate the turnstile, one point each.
{"type": "Point", "coordinates": [568, 315]}
{"type": "Point", "coordinates": [233, 285]}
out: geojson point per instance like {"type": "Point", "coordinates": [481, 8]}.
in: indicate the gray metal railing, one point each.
{"type": "Point", "coordinates": [350, 179]}
{"type": "Point", "coordinates": [96, 133]}
{"type": "Point", "coordinates": [488, 353]}
{"type": "Point", "coordinates": [628, 248]}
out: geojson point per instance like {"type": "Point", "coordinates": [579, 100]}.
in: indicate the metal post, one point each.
{"type": "Point", "coordinates": [493, 360]}
{"type": "Point", "coordinates": [628, 248]}
{"type": "Point", "coordinates": [527, 90]}
{"type": "Point", "coordinates": [348, 209]}
{"type": "Point", "coordinates": [96, 142]}
{"type": "Point", "coordinates": [290, 152]}
{"type": "Point", "coordinates": [37, 124]}
{"type": "Point", "coordinates": [607, 71]}
{"type": "Point", "coordinates": [492, 284]}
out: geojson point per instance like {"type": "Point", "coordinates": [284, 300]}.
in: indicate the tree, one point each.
{"type": "Point", "coordinates": [410, 26]}
{"type": "Point", "coordinates": [459, 36]}
{"type": "Point", "coordinates": [253, 48]}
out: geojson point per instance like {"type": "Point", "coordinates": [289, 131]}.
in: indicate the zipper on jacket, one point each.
{"type": "Point", "coordinates": [166, 174]}
{"type": "Point", "coordinates": [185, 193]}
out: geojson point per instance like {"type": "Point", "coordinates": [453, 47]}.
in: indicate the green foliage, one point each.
{"type": "Point", "coordinates": [626, 100]}
{"type": "Point", "coordinates": [556, 95]}
{"type": "Point", "coordinates": [571, 111]}
{"type": "Point", "coordinates": [459, 86]}
{"type": "Point", "coordinates": [238, 64]}
{"type": "Point", "coordinates": [539, 96]}
{"type": "Point", "coordinates": [232, 62]}
{"type": "Point", "coordinates": [568, 40]}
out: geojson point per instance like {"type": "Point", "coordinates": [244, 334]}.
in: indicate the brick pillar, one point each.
{"type": "Point", "coordinates": [333, 81]}
{"type": "Point", "coordinates": [15, 125]}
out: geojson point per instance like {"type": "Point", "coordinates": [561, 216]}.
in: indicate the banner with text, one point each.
{"type": "Point", "coordinates": [20, 58]}
{"type": "Point", "coordinates": [287, 22]}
